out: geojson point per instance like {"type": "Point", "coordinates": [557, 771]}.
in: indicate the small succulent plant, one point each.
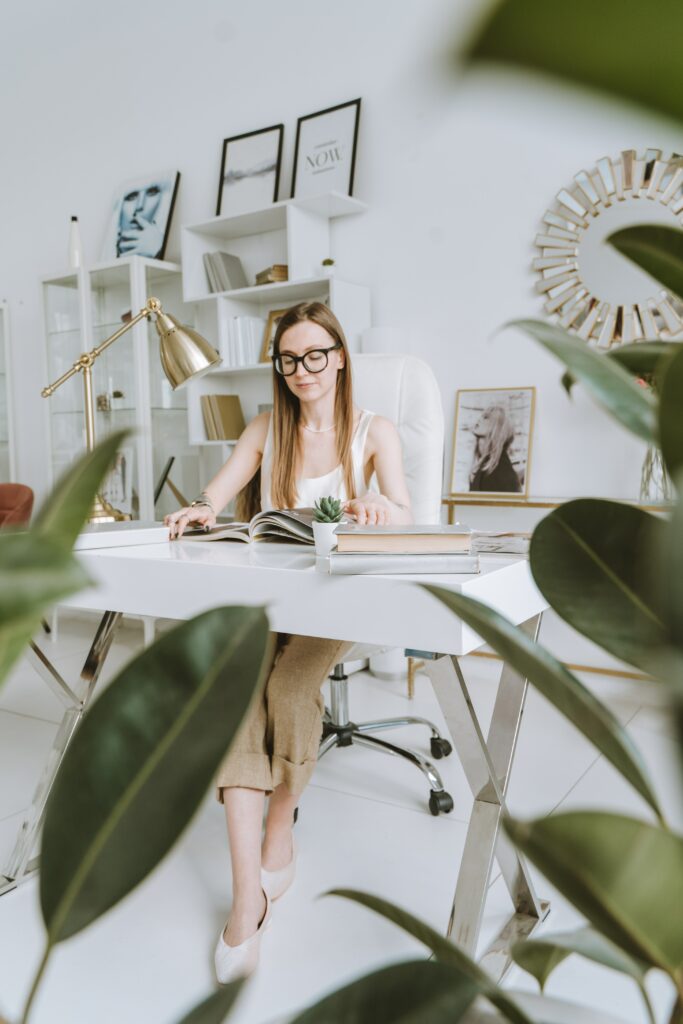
{"type": "Point", "coordinates": [328, 262]}
{"type": "Point", "coordinates": [328, 510]}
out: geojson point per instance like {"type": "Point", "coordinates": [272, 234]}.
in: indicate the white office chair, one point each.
{"type": "Point", "coordinates": [403, 389]}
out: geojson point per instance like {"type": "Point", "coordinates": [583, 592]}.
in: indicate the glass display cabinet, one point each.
{"type": "Point", "coordinates": [82, 309]}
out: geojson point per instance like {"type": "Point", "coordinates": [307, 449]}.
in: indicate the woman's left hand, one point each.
{"type": "Point", "coordinates": [372, 509]}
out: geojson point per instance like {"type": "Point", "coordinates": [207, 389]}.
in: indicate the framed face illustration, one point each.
{"type": "Point", "coordinates": [140, 217]}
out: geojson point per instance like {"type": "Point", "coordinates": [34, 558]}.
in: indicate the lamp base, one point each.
{"type": "Point", "coordinates": [103, 512]}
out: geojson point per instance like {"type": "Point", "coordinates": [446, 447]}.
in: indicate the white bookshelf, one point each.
{"type": "Point", "coordinates": [298, 232]}
{"type": "Point", "coordinates": [7, 454]}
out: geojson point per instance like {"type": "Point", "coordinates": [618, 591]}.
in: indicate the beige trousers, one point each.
{"type": "Point", "coordinates": [279, 737]}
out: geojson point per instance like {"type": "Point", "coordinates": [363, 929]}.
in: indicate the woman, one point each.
{"type": "Point", "coordinates": [315, 443]}
{"type": "Point", "coordinates": [491, 468]}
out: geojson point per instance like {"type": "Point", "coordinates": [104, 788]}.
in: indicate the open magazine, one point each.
{"type": "Point", "coordinates": [291, 524]}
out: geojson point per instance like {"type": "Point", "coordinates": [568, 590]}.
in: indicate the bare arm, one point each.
{"type": "Point", "coordinates": [228, 481]}
{"type": "Point", "coordinates": [392, 504]}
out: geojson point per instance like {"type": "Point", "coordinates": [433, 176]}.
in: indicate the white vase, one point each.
{"type": "Point", "coordinates": [75, 244]}
{"type": "Point", "coordinates": [324, 537]}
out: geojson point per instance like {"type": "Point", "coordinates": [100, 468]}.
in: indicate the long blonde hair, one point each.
{"type": "Point", "coordinates": [489, 448]}
{"type": "Point", "coordinates": [287, 409]}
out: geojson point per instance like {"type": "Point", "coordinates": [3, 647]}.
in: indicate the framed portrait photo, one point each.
{"type": "Point", "coordinates": [140, 217]}
{"type": "Point", "coordinates": [250, 170]}
{"type": "Point", "coordinates": [325, 151]}
{"type": "Point", "coordinates": [492, 441]}
{"type": "Point", "coordinates": [274, 317]}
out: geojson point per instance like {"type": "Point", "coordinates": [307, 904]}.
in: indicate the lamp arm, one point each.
{"type": "Point", "coordinates": [86, 360]}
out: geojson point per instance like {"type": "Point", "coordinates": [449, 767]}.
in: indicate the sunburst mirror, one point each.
{"type": "Point", "coordinates": [589, 287]}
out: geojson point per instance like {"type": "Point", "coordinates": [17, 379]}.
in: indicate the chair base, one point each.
{"type": "Point", "coordinates": [339, 731]}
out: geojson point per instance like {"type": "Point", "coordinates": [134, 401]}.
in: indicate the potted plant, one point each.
{"type": "Point", "coordinates": [328, 266]}
{"type": "Point", "coordinates": [327, 514]}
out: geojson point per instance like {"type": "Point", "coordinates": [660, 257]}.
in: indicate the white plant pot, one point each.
{"type": "Point", "coordinates": [324, 536]}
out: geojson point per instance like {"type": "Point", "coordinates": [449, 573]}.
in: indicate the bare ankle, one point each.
{"type": "Point", "coordinates": [277, 849]}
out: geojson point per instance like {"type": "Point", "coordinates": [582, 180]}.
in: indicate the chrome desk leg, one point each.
{"type": "Point", "coordinates": [20, 864]}
{"type": "Point", "coordinates": [487, 764]}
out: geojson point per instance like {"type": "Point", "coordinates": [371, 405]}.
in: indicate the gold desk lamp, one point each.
{"type": "Point", "coordinates": [184, 354]}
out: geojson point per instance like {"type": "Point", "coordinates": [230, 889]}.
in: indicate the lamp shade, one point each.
{"type": "Point", "coordinates": [184, 353]}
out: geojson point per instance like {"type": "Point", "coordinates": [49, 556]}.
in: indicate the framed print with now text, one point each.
{"type": "Point", "coordinates": [325, 152]}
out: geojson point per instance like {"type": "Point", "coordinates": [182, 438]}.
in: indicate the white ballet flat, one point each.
{"type": "Point", "coordinates": [276, 883]}
{"type": "Point", "coordinates": [233, 962]}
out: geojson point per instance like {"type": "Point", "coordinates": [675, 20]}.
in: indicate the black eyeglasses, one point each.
{"type": "Point", "coordinates": [314, 361]}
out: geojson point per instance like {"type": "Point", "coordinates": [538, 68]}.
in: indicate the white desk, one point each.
{"type": "Point", "coordinates": [181, 579]}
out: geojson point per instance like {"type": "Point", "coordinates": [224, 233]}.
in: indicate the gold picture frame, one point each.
{"type": "Point", "coordinates": [492, 449]}
{"type": "Point", "coordinates": [274, 317]}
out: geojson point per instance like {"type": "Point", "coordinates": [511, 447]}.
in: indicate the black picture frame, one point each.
{"type": "Point", "coordinates": [322, 113]}
{"type": "Point", "coordinates": [280, 128]}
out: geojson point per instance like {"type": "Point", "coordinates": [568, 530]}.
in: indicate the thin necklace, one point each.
{"type": "Point", "coordinates": [325, 430]}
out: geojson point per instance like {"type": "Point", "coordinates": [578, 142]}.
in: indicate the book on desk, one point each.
{"type": "Point", "coordinates": [129, 533]}
{"type": "Point", "coordinates": [396, 549]}
{"type": "Point", "coordinates": [289, 524]}
{"type": "Point", "coordinates": [361, 548]}
{"type": "Point", "coordinates": [362, 563]}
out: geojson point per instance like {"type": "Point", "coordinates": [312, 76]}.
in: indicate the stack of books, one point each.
{"type": "Point", "coordinates": [403, 549]}
{"type": "Point", "coordinates": [278, 272]}
{"type": "Point", "coordinates": [242, 341]}
{"type": "Point", "coordinates": [224, 271]}
{"type": "Point", "coordinates": [223, 417]}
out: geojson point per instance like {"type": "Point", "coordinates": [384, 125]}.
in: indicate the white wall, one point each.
{"type": "Point", "coordinates": [457, 172]}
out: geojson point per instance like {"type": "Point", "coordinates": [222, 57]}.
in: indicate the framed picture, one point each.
{"type": "Point", "coordinates": [140, 218]}
{"type": "Point", "coordinates": [325, 152]}
{"type": "Point", "coordinates": [250, 170]}
{"type": "Point", "coordinates": [274, 318]}
{"type": "Point", "coordinates": [492, 440]}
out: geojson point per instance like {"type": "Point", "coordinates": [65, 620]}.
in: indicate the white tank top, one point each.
{"type": "Point", "coordinates": [310, 488]}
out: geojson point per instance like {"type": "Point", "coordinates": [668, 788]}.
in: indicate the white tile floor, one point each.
{"type": "Point", "coordinates": [363, 824]}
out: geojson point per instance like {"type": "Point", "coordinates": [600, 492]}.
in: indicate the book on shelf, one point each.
{"type": "Point", "coordinates": [361, 563]}
{"type": "Point", "coordinates": [223, 417]}
{"type": "Point", "coordinates": [242, 341]}
{"type": "Point", "coordinates": [278, 272]}
{"type": "Point", "coordinates": [403, 539]}
{"type": "Point", "coordinates": [291, 524]}
{"type": "Point", "coordinates": [224, 271]}
{"type": "Point", "coordinates": [491, 542]}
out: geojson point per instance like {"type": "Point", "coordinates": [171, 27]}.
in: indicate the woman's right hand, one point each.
{"type": "Point", "coordinates": [178, 522]}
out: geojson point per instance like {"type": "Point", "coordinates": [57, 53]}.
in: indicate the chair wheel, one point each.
{"type": "Point", "coordinates": [296, 815]}
{"type": "Point", "coordinates": [440, 802]}
{"type": "Point", "coordinates": [440, 747]}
